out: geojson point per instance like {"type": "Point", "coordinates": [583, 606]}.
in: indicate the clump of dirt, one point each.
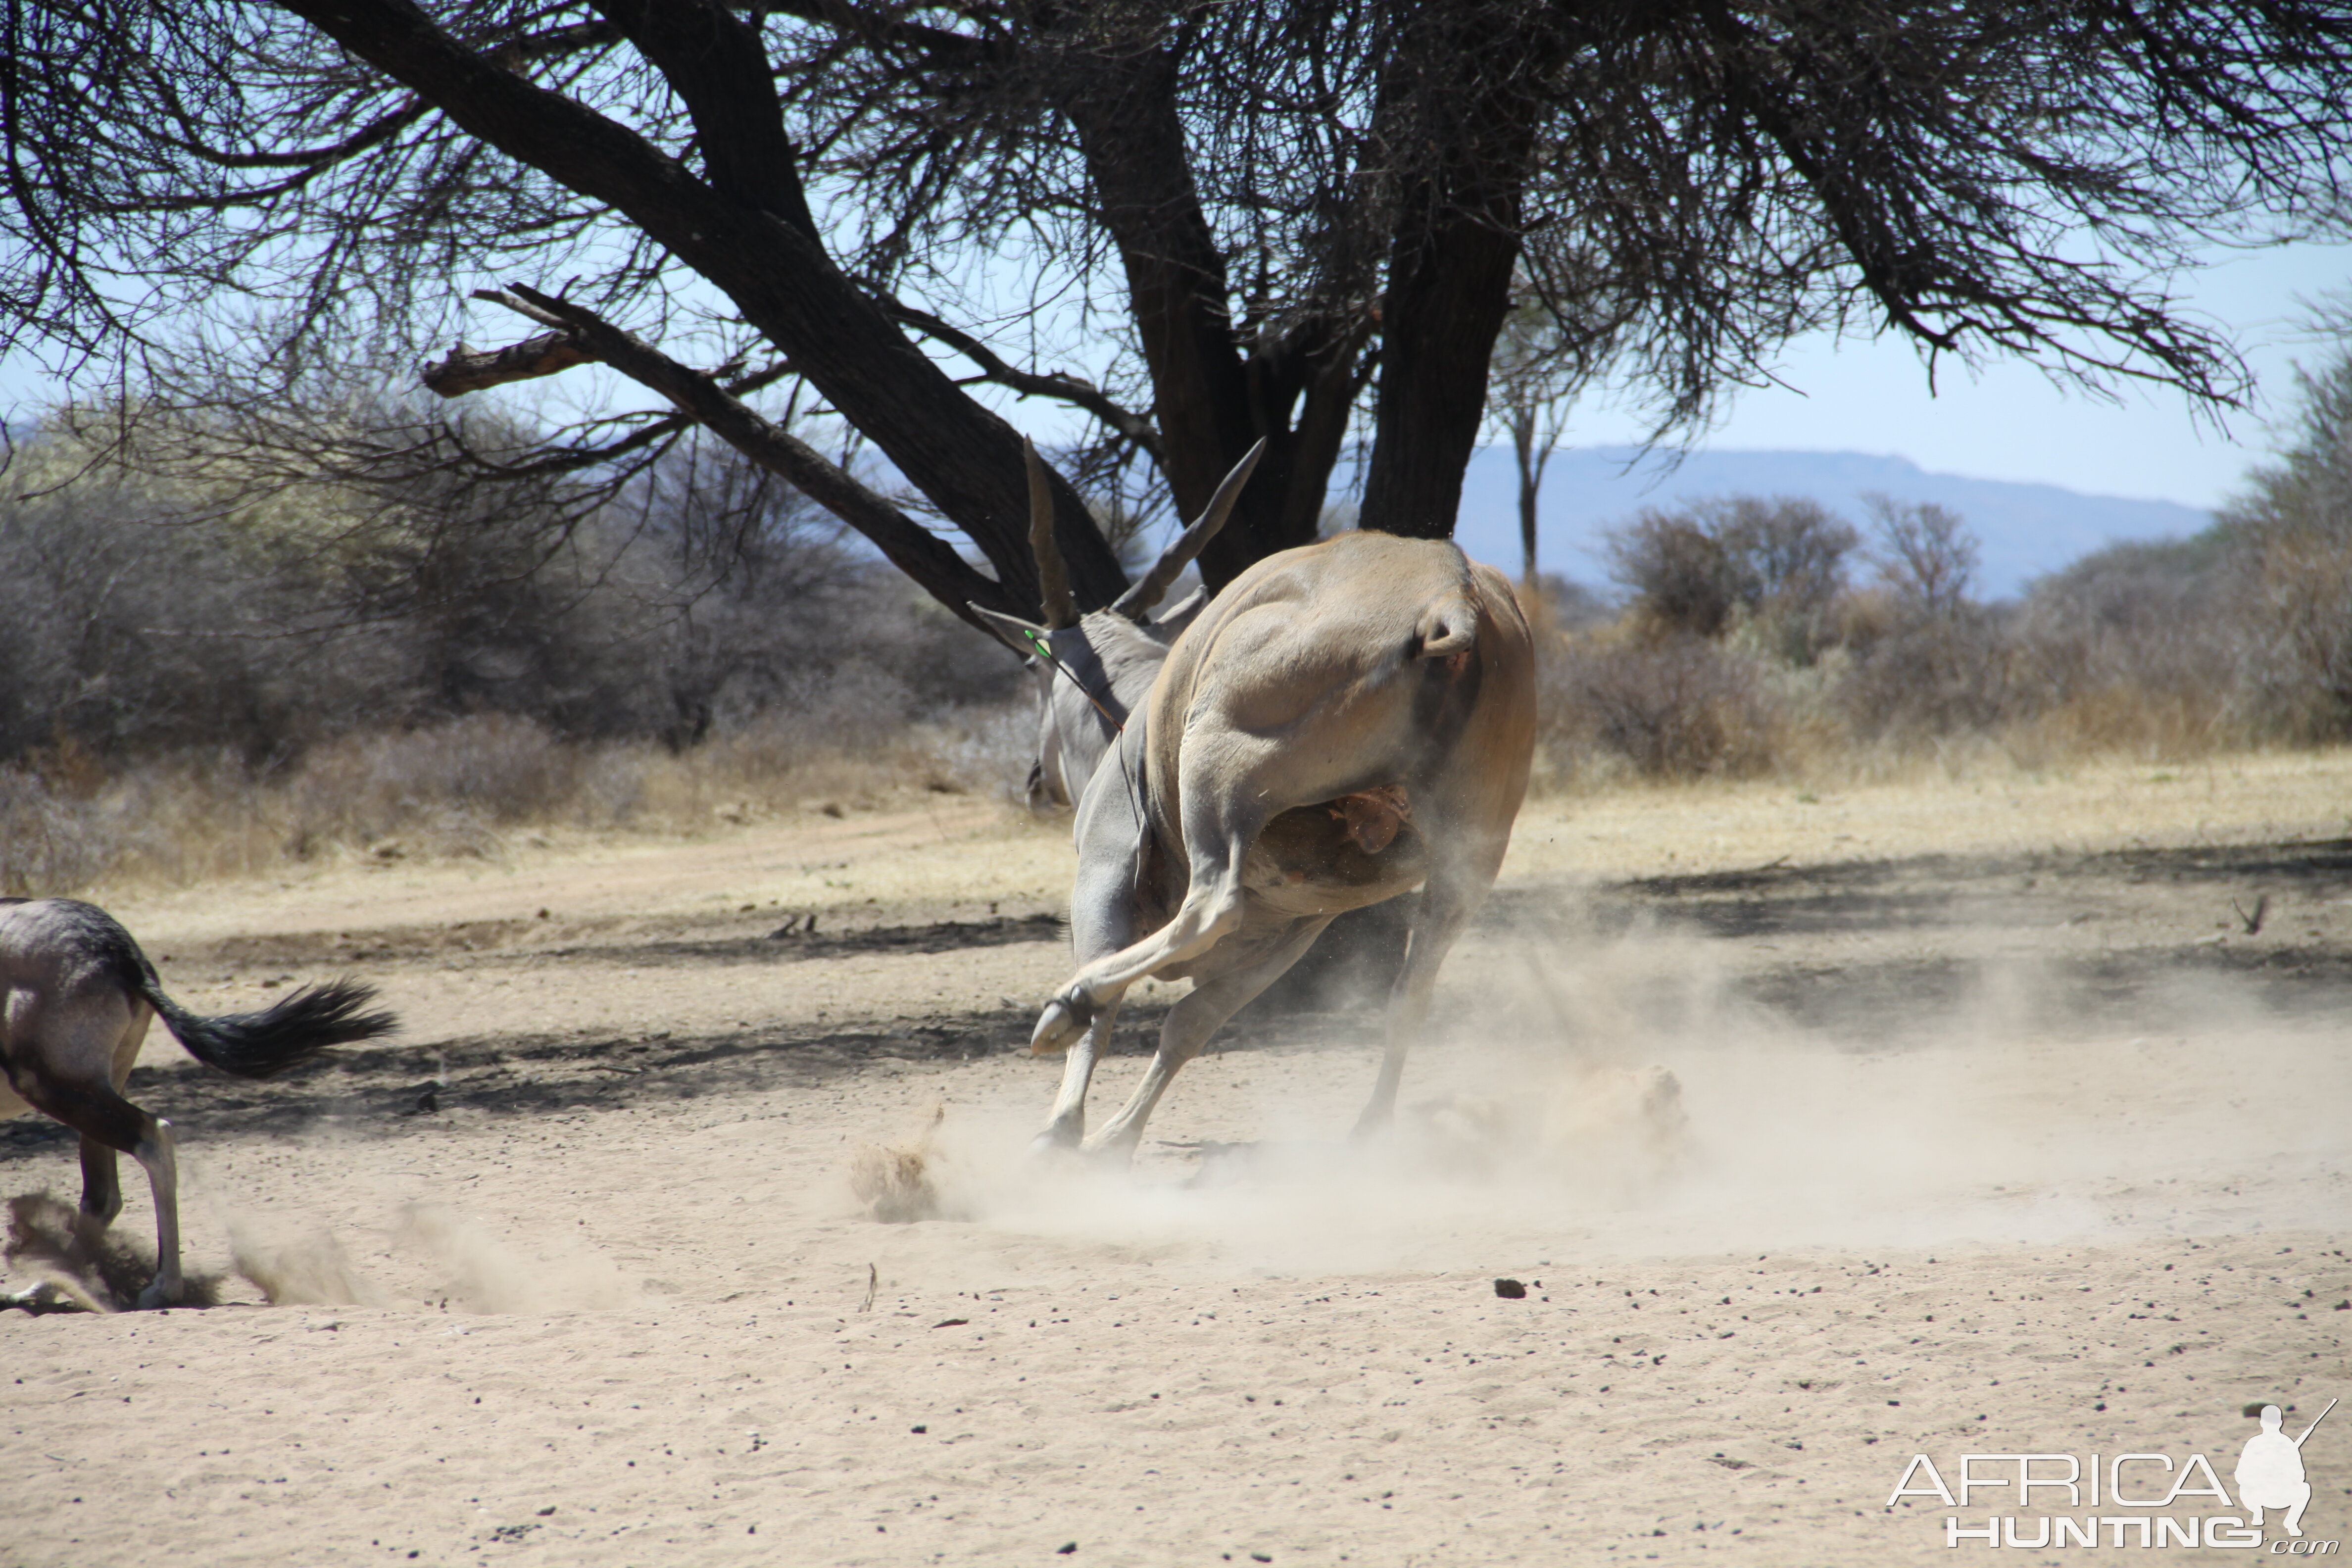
{"type": "Point", "coordinates": [897, 1182]}
{"type": "Point", "coordinates": [46, 1242]}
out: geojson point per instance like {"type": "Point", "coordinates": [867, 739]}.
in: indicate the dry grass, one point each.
{"type": "Point", "coordinates": [1619, 704]}
{"type": "Point", "coordinates": [1620, 714]}
{"type": "Point", "coordinates": [472, 787]}
{"type": "Point", "coordinates": [1970, 801]}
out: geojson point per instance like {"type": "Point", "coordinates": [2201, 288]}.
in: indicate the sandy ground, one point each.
{"type": "Point", "coordinates": [2004, 1134]}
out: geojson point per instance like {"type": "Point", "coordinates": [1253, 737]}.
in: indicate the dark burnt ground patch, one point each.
{"type": "Point", "coordinates": [772, 936]}
{"type": "Point", "coordinates": [790, 944]}
{"type": "Point", "coordinates": [393, 1091]}
{"type": "Point", "coordinates": [2140, 940]}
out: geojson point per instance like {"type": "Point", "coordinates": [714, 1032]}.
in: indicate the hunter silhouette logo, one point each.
{"type": "Point", "coordinates": [2270, 1470]}
{"type": "Point", "coordinates": [2113, 1501]}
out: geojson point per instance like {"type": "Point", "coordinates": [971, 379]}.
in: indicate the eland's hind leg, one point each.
{"type": "Point", "coordinates": [1447, 902]}
{"type": "Point", "coordinates": [1189, 1026]}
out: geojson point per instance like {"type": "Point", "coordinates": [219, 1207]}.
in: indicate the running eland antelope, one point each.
{"type": "Point", "coordinates": [75, 996]}
{"type": "Point", "coordinates": [1344, 722]}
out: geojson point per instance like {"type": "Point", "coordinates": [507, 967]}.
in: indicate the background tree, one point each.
{"type": "Point", "coordinates": [1775, 565]}
{"type": "Point", "coordinates": [1536, 377]}
{"type": "Point", "coordinates": [2290, 537]}
{"type": "Point", "coordinates": [1298, 206]}
{"type": "Point", "coordinates": [1926, 554]}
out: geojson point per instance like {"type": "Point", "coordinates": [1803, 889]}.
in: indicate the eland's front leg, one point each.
{"type": "Point", "coordinates": [1067, 1124]}
{"type": "Point", "coordinates": [1188, 1027]}
{"type": "Point", "coordinates": [1103, 918]}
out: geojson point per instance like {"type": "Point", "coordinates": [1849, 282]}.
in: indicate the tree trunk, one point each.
{"type": "Point", "coordinates": [1210, 404]}
{"type": "Point", "coordinates": [1523, 447]}
{"type": "Point", "coordinates": [1446, 301]}
{"type": "Point", "coordinates": [1451, 264]}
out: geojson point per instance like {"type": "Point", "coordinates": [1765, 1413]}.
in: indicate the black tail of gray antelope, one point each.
{"type": "Point", "coordinates": [75, 996]}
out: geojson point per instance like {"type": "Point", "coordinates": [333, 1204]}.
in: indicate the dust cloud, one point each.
{"type": "Point", "coordinates": [437, 1257]}
{"type": "Point", "coordinates": [1623, 1098]}
{"type": "Point", "coordinates": [309, 1270]}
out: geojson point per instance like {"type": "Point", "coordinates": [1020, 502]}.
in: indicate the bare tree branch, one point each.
{"type": "Point", "coordinates": [1059, 384]}
{"type": "Point", "coordinates": [1252, 206]}
{"type": "Point", "coordinates": [471, 370]}
{"type": "Point", "coordinates": [910, 546]}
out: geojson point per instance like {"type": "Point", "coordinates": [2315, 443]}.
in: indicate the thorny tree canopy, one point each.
{"type": "Point", "coordinates": [1287, 218]}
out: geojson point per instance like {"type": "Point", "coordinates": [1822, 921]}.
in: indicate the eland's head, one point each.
{"type": "Point", "coordinates": [1095, 668]}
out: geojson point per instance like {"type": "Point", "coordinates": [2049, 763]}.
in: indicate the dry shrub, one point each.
{"type": "Point", "coordinates": [2122, 721]}
{"type": "Point", "coordinates": [1931, 674]}
{"type": "Point", "coordinates": [1771, 568]}
{"type": "Point", "coordinates": [47, 839]}
{"type": "Point", "coordinates": [2299, 593]}
{"type": "Point", "coordinates": [492, 769]}
{"type": "Point", "coordinates": [1681, 707]}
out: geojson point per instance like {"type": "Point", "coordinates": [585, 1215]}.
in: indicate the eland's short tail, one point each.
{"type": "Point", "coordinates": [1448, 627]}
{"type": "Point", "coordinates": [264, 1044]}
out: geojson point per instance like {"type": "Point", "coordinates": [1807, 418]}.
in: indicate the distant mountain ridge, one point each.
{"type": "Point", "coordinates": [2026, 530]}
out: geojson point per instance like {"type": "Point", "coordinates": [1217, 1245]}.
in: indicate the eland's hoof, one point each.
{"type": "Point", "coordinates": [1054, 1141]}
{"type": "Point", "coordinates": [1065, 1018]}
{"type": "Point", "coordinates": [1108, 1153]}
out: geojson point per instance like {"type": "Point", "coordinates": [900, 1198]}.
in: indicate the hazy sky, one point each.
{"type": "Point", "coordinates": [1865, 396]}
{"type": "Point", "coordinates": [2012, 423]}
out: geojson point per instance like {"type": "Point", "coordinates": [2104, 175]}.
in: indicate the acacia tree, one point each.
{"type": "Point", "coordinates": [1309, 213]}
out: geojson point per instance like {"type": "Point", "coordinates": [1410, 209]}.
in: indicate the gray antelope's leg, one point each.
{"type": "Point", "coordinates": [102, 1184]}
{"type": "Point", "coordinates": [69, 1056]}
{"type": "Point", "coordinates": [1220, 825]}
{"type": "Point", "coordinates": [1111, 836]}
{"type": "Point", "coordinates": [1068, 1123]}
{"type": "Point", "coordinates": [102, 1189]}
{"type": "Point", "coordinates": [1188, 1027]}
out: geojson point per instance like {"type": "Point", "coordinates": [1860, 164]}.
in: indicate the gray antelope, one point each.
{"type": "Point", "coordinates": [76, 997]}
{"type": "Point", "coordinates": [1344, 722]}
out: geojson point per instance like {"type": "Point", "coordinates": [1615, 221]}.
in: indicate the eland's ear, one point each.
{"type": "Point", "coordinates": [1012, 629]}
